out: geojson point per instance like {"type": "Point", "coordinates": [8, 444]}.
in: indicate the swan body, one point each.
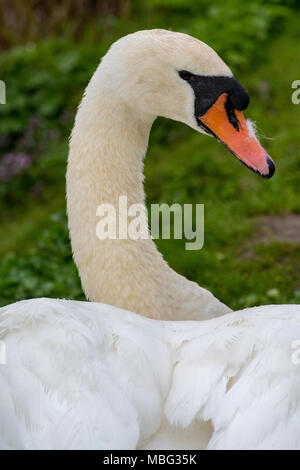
{"type": "Point", "coordinates": [119, 372]}
{"type": "Point", "coordinates": [91, 376]}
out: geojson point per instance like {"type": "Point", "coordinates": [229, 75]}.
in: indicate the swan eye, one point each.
{"type": "Point", "coordinates": [185, 75]}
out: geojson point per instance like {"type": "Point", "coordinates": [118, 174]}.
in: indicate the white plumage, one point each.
{"type": "Point", "coordinates": [82, 375]}
{"type": "Point", "coordinates": [91, 376]}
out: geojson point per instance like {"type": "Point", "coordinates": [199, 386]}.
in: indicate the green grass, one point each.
{"type": "Point", "coordinates": [183, 166]}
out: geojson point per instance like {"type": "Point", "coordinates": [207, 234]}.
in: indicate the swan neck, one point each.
{"type": "Point", "coordinates": [107, 148]}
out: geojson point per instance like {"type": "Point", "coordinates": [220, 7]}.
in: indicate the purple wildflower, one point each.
{"type": "Point", "coordinates": [13, 163]}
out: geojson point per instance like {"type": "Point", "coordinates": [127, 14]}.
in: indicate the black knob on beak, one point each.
{"type": "Point", "coordinates": [238, 97]}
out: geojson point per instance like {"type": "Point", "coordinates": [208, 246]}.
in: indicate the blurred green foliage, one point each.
{"type": "Point", "coordinates": [45, 80]}
{"type": "Point", "coordinates": [44, 270]}
{"type": "Point", "coordinates": [237, 30]}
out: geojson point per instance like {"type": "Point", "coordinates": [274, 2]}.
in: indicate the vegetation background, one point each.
{"type": "Point", "coordinates": [49, 50]}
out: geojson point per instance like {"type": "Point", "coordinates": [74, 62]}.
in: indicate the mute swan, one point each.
{"type": "Point", "coordinates": [97, 376]}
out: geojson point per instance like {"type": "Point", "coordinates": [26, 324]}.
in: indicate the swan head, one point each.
{"type": "Point", "coordinates": [169, 74]}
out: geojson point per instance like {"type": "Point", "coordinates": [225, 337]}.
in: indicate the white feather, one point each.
{"type": "Point", "coordinates": [91, 376]}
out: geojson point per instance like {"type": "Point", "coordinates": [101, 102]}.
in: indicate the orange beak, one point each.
{"type": "Point", "coordinates": [230, 128]}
